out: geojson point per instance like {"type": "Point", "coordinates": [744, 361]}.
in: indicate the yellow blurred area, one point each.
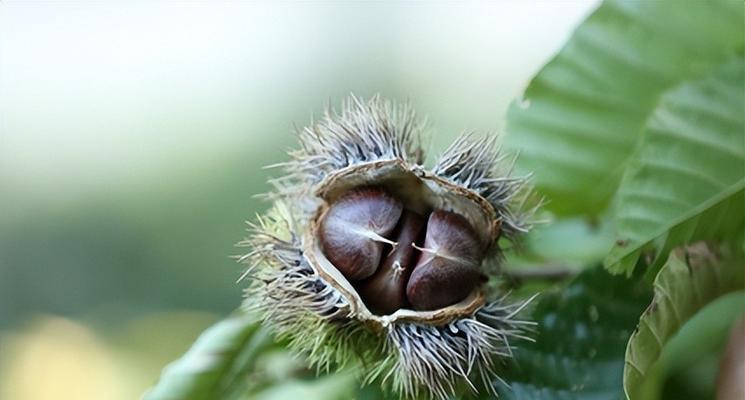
{"type": "Point", "coordinates": [55, 358]}
{"type": "Point", "coordinates": [59, 359]}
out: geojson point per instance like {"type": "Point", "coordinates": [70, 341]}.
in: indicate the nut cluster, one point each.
{"type": "Point", "coordinates": [397, 258]}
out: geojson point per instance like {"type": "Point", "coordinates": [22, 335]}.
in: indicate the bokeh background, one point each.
{"type": "Point", "coordinates": [132, 140]}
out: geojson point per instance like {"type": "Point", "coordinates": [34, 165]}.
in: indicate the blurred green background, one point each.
{"type": "Point", "coordinates": [133, 135]}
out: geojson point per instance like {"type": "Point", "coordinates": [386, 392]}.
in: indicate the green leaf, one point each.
{"type": "Point", "coordinates": [582, 332]}
{"type": "Point", "coordinates": [687, 180]}
{"type": "Point", "coordinates": [581, 117]}
{"type": "Point", "coordinates": [216, 365]}
{"type": "Point", "coordinates": [340, 386]}
{"type": "Point", "coordinates": [689, 280]}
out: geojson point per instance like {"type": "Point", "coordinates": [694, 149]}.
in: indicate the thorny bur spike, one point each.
{"type": "Point", "coordinates": [368, 254]}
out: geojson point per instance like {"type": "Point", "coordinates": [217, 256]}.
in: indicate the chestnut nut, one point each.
{"type": "Point", "coordinates": [449, 266]}
{"type": "Point", "coordinates": [352, 232]}
{"type": "Point", "coordinates": [385, 291]}
{"type": "Point", "coordinates": [396, 258]}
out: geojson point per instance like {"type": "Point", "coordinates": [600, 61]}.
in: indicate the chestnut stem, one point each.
{"type": "Point", "coordinates": [438, 253]}
{"type": "Point", "coordinates": [368, 233]}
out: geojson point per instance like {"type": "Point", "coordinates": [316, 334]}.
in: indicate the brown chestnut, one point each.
{"type": "Point", "coordinates": [449, 267]}
{"type": "Point", "coordinates": [352, 233]}
{"type": "Point", "coordinates": [385, 291]}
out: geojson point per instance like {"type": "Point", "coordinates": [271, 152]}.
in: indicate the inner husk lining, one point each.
{"type": "Point", "coordinates": [419, 192]}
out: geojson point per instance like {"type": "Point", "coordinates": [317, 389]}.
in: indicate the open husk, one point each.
{"type": "Point", "coordinates": [303, 296]}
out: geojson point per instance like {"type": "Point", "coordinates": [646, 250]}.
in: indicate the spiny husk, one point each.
{"type": "Point", "coordinates": [304, 297]}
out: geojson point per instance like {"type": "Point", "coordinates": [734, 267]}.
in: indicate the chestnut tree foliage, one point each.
{"type": "Point", "coordinates": [636, 129]}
